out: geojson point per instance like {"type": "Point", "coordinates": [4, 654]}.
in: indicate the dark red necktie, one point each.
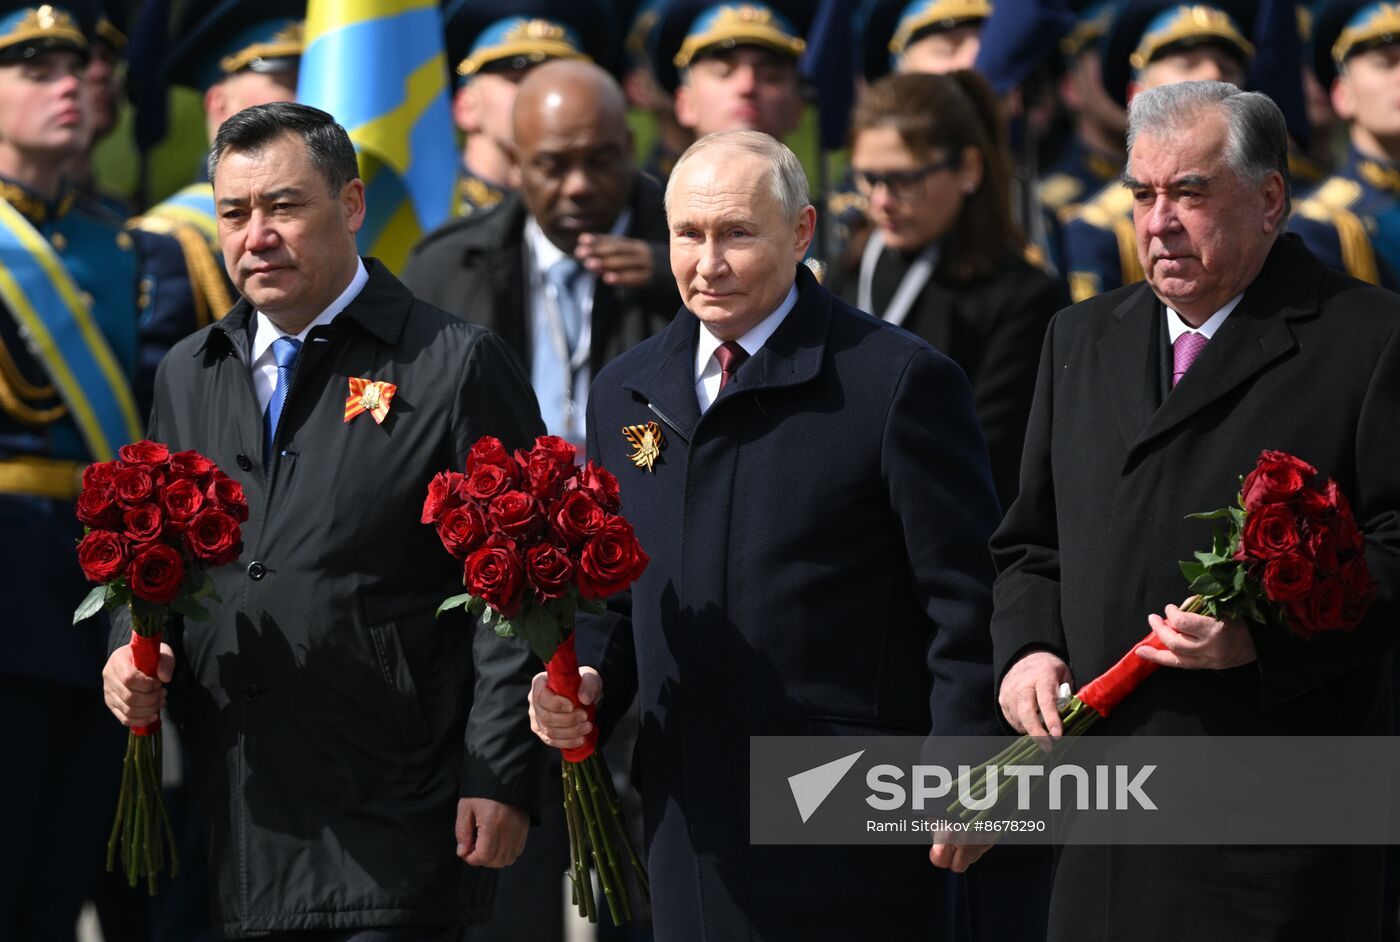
{"type": "Point", "coordinates": [731, 356]}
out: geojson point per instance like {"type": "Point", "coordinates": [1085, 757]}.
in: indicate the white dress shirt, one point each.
{"type": "Point", "coordinates": [541, 255]}
{"type": "Point", "coordinates": [707, 368]}
{"type": "Point", "coordinates": [1176, 326]}
{"type": "Point", "coordinates": [264, 365]}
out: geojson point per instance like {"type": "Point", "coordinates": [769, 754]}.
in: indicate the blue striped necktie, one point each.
{"type": "Point", "coordinates": [284, 351]}
{"type": "Point", "coordinates": [551, 375]}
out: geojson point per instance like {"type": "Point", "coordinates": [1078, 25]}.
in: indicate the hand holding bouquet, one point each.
{"type": "Point", "coordinates": [540, 538]}
{"type": "Point", "coordinates": [1291, 557]}
{"type": "Point", "coordinates": [154, 522]}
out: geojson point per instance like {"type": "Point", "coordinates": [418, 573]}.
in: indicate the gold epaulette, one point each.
{"type": "Point", "coordinates": [211, 295]}
{"type": "Point", "coordinates": [1331, 204]}
{"type": "Point", "coordinates": [839, 201]}
{"type": "Point", "coordinates": [1110, 204]}
{"type": "Point", "coordinates": [16, 394]}
{"type": "Point", "coordinates": [1059, 190]}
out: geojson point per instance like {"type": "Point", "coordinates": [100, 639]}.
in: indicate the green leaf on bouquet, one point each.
{"type": "Point", "coordinates": [489, 617]}
{"type": "Point", "coordinates": [1207, 585]}
{"type": "Point", "coordinates": [1237, 514]}
{"type": "Point", "coordinates": [542, 631]}
{"type": "Point", "coordinates": [91, 603]}
{"type": "Point", "coordinates": [1210, 560]}
{"type": "Point", "coordinates": [189, 607]}
{"type": "Point", "coordinates": [1210, 514]}
{"type": "Point", "coordinates": [457, 601]}
{"type": "Point", "coordinates": [1192, 571]}
{"type": "Point", "coordinates": [476, 605]}
{"type": "Point", "coordinates": [593, 606]}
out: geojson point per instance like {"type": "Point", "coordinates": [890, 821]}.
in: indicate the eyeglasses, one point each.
{"type": "Point", "coordinates": [902, 184]}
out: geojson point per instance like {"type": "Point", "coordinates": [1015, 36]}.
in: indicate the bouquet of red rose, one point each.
{"type": "Point", "coordinates": [540, 538]}
{"type": "Point", "coordinates": [1290, 557]}
{"type": "Point", "coordinates": [153, 523]}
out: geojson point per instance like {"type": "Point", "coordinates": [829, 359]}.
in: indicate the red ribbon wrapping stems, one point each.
{"type": "Point", "coordinates": [1107, 690]}
{"type": "Point", "coordinates": [145, 653]}
{"type": "Point", "coordinates": [561, 673]}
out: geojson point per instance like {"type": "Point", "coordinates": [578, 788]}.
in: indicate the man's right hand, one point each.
{"type": "Point", "coordinates": [554, 719]}
{"type": "Point", "coordinates": [1028, 694]}
{"type": "Point", "coordinates": [134, 698]}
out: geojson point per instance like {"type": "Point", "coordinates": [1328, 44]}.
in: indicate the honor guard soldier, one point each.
{"type": "Point", "coordinates": [1352, 220]}
{"type": "Point", "coordinates": [1149, 43]}
{"type": "Point", "coordinates": [644, 93]}
{"type": "Point", "coordinates": [238, 54]}
{"type": "Point", "coordinates": [79, 344]}
{"type": "Point", "coordinates": [1094, 153]}
{"type": "Point", "coordinates": [493, 45]}
{"type": "Point", "coordinates": [104, 85]}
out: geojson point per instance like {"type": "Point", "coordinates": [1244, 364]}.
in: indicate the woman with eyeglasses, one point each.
{"type": "Point", "coordinates": [942, 257]}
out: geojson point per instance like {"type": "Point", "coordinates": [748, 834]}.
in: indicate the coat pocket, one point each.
{"type": "Point", "coordinates": [398, 681]}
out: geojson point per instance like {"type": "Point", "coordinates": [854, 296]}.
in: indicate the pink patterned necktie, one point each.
{"type": "Point", "coordinates": [1185, 349]}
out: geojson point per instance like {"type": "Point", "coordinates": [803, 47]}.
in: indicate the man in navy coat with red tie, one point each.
{"type": "Point", "coordinates": [817, 522]}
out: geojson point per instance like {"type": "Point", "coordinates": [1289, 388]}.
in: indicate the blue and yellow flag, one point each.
{"type": "Point", "coordinates": [378, 66]}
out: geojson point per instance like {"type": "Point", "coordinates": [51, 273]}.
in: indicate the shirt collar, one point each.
{"type": "Point", "coordinates": [752, 341]}
{"type": "Point", "coordinates": [545, 253]}
{"type": "Point", "coordinates": [1176, 326]}
{"type": "Point", "coordinates": [265, 331]}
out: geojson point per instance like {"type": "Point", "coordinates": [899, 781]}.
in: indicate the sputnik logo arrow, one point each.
{"type": "Point", "coordinates": [811, 788]}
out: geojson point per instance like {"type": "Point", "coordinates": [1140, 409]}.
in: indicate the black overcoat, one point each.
{"type": "Point", "coordinates": [818, 566]}
{"type": "Point", "coordinates": [474, 267]}
{"type": "Point", "coordinates": [332, 721]}
{"type": "Point", "coordinates": [992, 327]}
{"type": "Point", "coordinates": [1308, 363]}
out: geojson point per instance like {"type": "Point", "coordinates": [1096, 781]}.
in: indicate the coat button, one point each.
{"type": "Point", "coordinates": [256, 570]}
{"type": "Point", "coordinates": [245, 463]}
{"type": "Point", "coordinates": [252, 691]}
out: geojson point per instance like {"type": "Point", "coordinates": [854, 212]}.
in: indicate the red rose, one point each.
{"type": "Point", "coordinates": [543, 475]}
{"type": "Point", "coordinates": [611, 560]}
{"type": "Point", "coordinates": [577, 517]}
{"type": "Point", "coordinates": [102, 554]}
{"type": "Point", "coordinates": [442, 495]}
{"type": "Point", "coordinates": [1288, 578]}
{"type": "Point", "coordinates": [487, 450]}
{"type": "Point", "coordinates": [134, 485]}
{"type": "Point", "coordinates": [598, 483]}
{"type": "Point", "coordinates": [1356, 576]}
{"type": "Point", "coordinates": [1322, 544]}
{"type": "Point", "coordinates": [1269, 532]}
{"type": "Point", "coordinates": [462, 529]}
{"type": "Point", "coordinates": [1321, 611]}
{"type": "Point", "coordinates": [550, 571]}
{"type": "Point", "coordinates": [517, 515]}
{"type": "Point", "coordinates": [228, 494]}
{"type": "Point", "coordinates": [1349, 537]}
{"type": "Point", "coordinates": [144, 453]}
{"type": "Point", "coordinates": [494, 573]}
{"type": "Point", "coordinates": [485, 481]}
{"type": "Point", "coordinates": [156, 574]}
{"type": "Point", "coordinates": [100, 473]}
{"type": "Point", "coordinates": [192, 465]}
{"type": "Point", "coordinates": [1276, 477]}
{"type": "Point", "coordinates": [97, 507]}
{"type": "Point", "coordinates": [214, 538]}
{"type": "Point", "coordinates": [555, 449]}
{"type": "Point", "coordinates": [182, 499]}
{"type": "Point", "coordinates": [143, 524]}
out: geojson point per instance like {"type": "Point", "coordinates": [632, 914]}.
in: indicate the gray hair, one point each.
{"type": "Point", "coordinates": [1256, 144]}
{"type": "Point", "coordinates": [786, 177]}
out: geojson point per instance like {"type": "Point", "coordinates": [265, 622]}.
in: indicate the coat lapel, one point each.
{"type": "Point", "coordinates": [669, 388]}
{"type": "Point", "coordinates": [1252, 338]}
{"type": "Point", "coordinates": [794, 353]}
{"type": "Point", "coordinates": [1128, 355]}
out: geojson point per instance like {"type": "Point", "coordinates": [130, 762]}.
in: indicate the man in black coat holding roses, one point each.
{"type": "Point", "coordinates": [343, 740]}
{"type": "Point", "coordinates": [1152, 400]}
{"type": "Point", "coordinates": [816, 518]}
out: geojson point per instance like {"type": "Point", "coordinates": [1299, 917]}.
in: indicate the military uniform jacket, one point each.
{"type": "Point", "coordinates": [139, 299]}
{"type": "Point", "coordinates": [475, 268]}
{"type": "Point", "coordinates": [1351, 221]}
{"type": "Point", "coordinates": [332, 721]}
{"type": "Point", "coordinates": [1308, 363]}
{"type": "Point", "coordinates": [818, 566]}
